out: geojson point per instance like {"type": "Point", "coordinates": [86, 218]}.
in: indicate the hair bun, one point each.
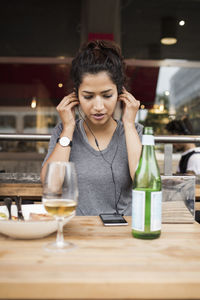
{"type": "Point", "coordinates": [104, 46]}
{"type": "Point", "coordinates": [96, 56]}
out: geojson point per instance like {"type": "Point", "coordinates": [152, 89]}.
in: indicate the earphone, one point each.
{"type": "Point", "coordinates": [109, 163]}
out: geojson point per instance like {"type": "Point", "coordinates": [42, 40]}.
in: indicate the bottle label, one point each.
{"type": "Point", "coordinates": [156, 210]}
{"type": "Point", "coordinates": [138, 210]}
{"type": "Point", "coordinates": [148, 140]}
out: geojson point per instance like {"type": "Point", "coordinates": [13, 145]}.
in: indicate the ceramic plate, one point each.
{"type": "Point", "coordinates": [28, 229]}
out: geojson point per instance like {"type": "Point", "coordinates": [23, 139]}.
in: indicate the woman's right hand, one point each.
{"type": "Point", "coordinates": [66, 110]}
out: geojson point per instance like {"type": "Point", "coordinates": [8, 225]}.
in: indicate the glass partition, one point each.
{"type": "Point", "coordinates": [177, 96]}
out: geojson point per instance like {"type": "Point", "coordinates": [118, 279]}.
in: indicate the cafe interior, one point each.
{"type": "Point", "coordinates": [160, 44]}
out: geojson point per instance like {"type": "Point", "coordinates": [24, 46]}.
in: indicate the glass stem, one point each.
{"type": "Point", "coordinates": [60, 238]}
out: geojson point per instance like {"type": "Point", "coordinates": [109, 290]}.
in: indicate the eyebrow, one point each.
{"type": "Point", "coordinates": [106, 91]}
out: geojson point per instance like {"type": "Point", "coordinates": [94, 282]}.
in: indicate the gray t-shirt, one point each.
{"type": "Point", "coordinates": [97, 191]}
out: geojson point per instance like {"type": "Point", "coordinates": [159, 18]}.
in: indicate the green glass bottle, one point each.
{"type": "Point", "coordinates": [147, 192]}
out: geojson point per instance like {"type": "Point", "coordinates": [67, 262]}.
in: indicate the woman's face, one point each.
{"type": "Point", "coordinates": [98, 97]}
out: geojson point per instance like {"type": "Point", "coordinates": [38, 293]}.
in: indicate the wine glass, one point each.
{"type": "Point", "coordinates": [60, 196]}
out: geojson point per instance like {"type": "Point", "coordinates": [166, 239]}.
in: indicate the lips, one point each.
{"type": "Point", "coordinates": [98, 116]}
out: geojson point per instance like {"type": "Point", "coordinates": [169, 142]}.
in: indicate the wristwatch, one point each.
{"type": "Point", "coordinates": [64, 141]}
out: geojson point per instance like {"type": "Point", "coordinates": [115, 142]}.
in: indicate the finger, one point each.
{"type": "Point", "coordinates": [72, 95]}
{"type": "Point", "coordinates": [68, 106]}
{"type": "Point", "coordinates": [71, 105]}
{"type": "Point", "coordinates": [129, 95]}
{"type": "Point", "coordinates": [124, 91]}
{"type": "Point", "coordinates": [137, 104]}
{"type": "Point", "coordinates": [66, 100]}
{"type": "Point", "coordinates": [128, 102]}
{"type": "Point", "coordinates": [123, 99]}
{"type": "Point", "coordinates": [63, 102]}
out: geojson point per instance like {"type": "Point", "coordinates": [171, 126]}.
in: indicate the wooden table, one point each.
{"type": "Point", "coordinates": [20, 184]}
{"type": "Point", "coordinates": [106, 264]}
{"type": "Point", "coordinates": [35, 189]}
{"type": "Point", "coordinates": [197, 191]}
{"type": "Point", "coordinates": [21, 189]}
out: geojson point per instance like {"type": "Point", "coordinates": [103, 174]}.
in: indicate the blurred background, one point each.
{"type": "Point", "coordinates": [159, 40]}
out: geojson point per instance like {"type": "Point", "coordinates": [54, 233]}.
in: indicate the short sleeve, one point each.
{"type": "Point", "coordinates": [139, 127]}
{"type": "Point", "coordinates": [194, 163]}
{"type": "Point", "coordinates": [52, 143]}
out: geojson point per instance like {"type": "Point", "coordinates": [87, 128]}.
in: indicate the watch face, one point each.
{"type": "Point", "coordinates": [64, 141]}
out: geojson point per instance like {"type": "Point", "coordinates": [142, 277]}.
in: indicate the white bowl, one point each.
{"type": "Point", "coordinates": [28, 229]}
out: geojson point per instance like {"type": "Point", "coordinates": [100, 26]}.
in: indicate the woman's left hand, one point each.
{"type": "Point", "coordinates": [131, 106]}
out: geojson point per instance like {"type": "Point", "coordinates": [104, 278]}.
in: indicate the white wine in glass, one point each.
{"type": "Point", "coordinates": [61, 208]}
{"type": "Point", "coordinates": [60, 196]}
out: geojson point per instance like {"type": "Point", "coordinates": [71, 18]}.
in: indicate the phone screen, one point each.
{"type": "Point", "coordinates": [113, 220]}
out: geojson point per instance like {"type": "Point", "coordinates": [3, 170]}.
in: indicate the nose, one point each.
{"type": "Point", "coordinates": [98, 103]}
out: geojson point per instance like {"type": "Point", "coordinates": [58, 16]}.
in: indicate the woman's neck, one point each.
{"type": "Point", "coordinates": [102, 133]}
{"type": "Point", "coordinates": [108, 127]}
{"type": "Point", "coordinates": [189, 146]}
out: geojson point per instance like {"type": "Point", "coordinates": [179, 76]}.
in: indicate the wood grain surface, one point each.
{"type": "Point", "coordinates": [197, 191]}
{"type": "Point", "coordinates": [21, 189]}
{"type": "Point", "coordinates": [197, 206]}
{"type": "Point", "coordinates": [176, 212]}
{"type": "Point", "coordinates": [35, 189]}
{"type": "Point", "coordinates": [107, 263]}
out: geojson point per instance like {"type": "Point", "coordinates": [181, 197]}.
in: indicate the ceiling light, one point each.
{"type": "Point", "coordinates": [60, 85]}
{"type": "Point", "coordinates": [168, 41]}
{"type": "Point", "coordinates": [33, 103]}
{"type": "Point", "coordinates": [182, 23]}
{"type": "Point", "coordinates": [161, 108]}
{"type": "Point", "coordinates": [168, 31]}
{"type": "Point", "coordinates": [166, 93]}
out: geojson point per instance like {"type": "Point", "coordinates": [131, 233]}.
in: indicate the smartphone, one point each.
{"type": "Point", "coordinates": [113, 220]}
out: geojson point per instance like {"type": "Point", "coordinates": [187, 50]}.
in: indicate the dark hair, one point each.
{"type": "Point", "coordinates": [180, 127]}
{"type": "Point", "coordinates": [96, 56]}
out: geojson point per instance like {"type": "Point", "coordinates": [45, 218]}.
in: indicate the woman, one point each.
{"type": "Point", "coordinates": [105, 151]}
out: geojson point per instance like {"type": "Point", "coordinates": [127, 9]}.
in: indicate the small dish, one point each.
{"type": "Point", "coordinates": [28, 229]}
